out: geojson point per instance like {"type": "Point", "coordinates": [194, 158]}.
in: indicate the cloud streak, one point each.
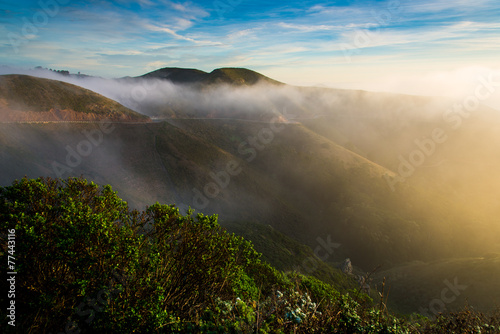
{"type": "Point", "coordinates": [121, 38]}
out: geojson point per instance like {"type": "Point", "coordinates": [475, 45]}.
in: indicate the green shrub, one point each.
{"type": "Point", "coordinates": [86, 263]}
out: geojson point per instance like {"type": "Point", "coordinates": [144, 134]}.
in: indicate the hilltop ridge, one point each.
{"type": "Point", "coordinates": [227, 75]}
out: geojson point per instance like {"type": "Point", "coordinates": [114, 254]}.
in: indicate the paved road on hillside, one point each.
{"type": "Point", "coordinates": [153, 121]}
{"type": "Point", "coordinates": [71, 122]}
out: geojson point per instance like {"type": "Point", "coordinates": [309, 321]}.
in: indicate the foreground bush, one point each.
{"type": "Point", "coordinates": [86, 263]}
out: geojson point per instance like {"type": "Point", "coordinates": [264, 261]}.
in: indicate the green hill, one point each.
{"type": "Point", "coordinates": [177, 75]}
{"type": "Point", "coordinates": [233, 76]}
{"type": "Point", "coordinates": [26, 98]}
{"type": "Point", "coordinates": [239, 76]}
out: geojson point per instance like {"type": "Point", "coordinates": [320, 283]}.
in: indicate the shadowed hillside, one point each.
{"type": "Point", "coordinates": [299, 182]}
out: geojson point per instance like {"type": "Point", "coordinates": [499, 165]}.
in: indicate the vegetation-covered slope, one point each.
{"type": "Point", "coordinates": [86, 263]}
{"type": "Point", "coordinates": [287, 254]}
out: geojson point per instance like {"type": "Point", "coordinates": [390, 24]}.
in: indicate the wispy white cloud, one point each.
{"type": "Point", "coordinates": [324, 27]}
{"type": "Point", "coordinates": [245, 33]}
{"type": "Point", "coordinates": [174, 34]}
{"type": "Point", "coordinates": [439, 6]}
{"type": "Point", "coordinates": [101, 34]}
{"type": "Point", "coordinates": [308, 28]}
{"type": "Point", "coordinates": [188, 8]}
{"type": "Point", "coordinates": [452, 34]}
{"type": "Point", "coordinates": [182, 23]}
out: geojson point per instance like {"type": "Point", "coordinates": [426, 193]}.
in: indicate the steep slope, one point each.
{"type": "Point", "coordinates": [287, 254]}
{"type": "Point", "coordinates": [26, 98]}
{"type": "Point", "coordinates": [338, 194]}
{"type": "Point", "coordinates": [146, 162]}
{"type": "Point", "coordinates": [283, 175]}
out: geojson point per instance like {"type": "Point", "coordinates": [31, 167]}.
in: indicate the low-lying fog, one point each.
{"type": "Point", "coordinates": [154, 95]}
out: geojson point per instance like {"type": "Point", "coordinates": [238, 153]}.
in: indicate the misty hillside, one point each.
{"type": "Point", "coordinates": [318, 165]}
{"type": "Point", "coordinates": [27, 98]}
{"type": "Point", "coordinates": [301, 183]}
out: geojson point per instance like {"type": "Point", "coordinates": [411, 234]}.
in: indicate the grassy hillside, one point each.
{"type": "Point", "coordinates": [177, 75]}
{"type": "Point", "coordinates": [26, 98]}
{"type": "Point", "coordinates": [239, 76]}
{"type": "Point", "coordinates": [232, 76]}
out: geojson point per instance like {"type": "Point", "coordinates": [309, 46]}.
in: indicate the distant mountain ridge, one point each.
{"type": "Point", "coordinates": [228, 75]}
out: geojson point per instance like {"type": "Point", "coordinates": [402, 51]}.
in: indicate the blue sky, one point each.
{"type": "Point", "coordinates": [333, 43]}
